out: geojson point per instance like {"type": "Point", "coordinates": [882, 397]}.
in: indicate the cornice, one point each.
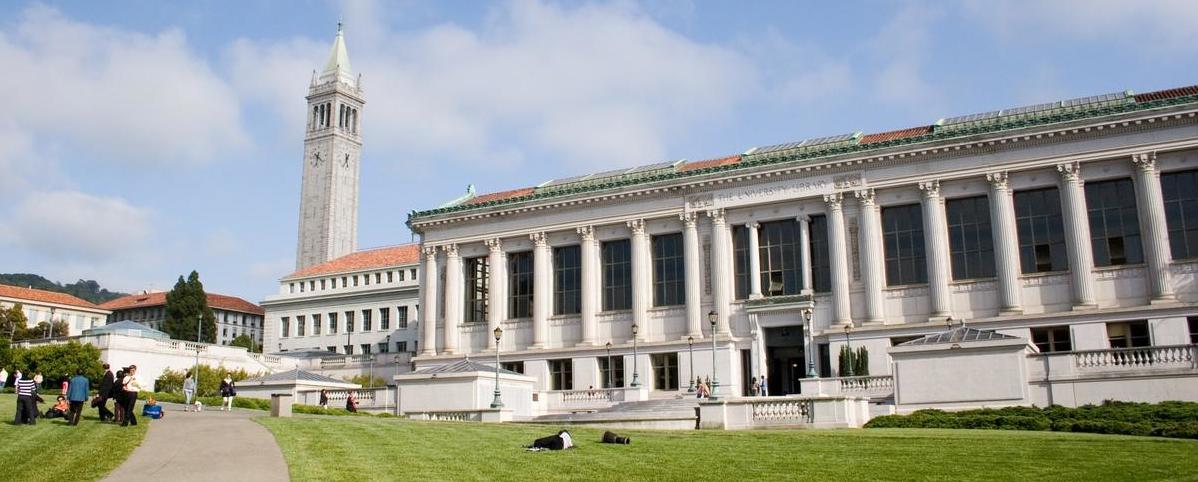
{"type": "Point", "coordinates": [1058, 129]}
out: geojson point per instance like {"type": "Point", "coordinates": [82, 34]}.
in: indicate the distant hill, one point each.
{"type": "Point", "coordinates": [85, 289]}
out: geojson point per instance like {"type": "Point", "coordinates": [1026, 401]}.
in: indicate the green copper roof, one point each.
{"type": "Point", "coordinates": [811, 149]}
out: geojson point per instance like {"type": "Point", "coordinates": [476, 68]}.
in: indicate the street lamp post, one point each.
{"type": "Point", "coordinates": [712, 317]}
{"type": "Point", "coordinates": [50, 323]}
{"type": "Point", "coordinates": [497, 403]}
{"type": "Point", "coordinates": [808, 316]}
{"type": "Point", "coordinates": [636, 381]}
{"type": "Point", "coordinates": [690, 346]}
{"type": "Point", "coordinates": [848, 341]}
{"type": "Point", "coordinates": [610, 369]}
{"type": "Point", "coordinates": [196, 369]}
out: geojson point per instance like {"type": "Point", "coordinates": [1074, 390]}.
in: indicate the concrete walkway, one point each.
{"type": "Point", "coordinates": [210, 445]}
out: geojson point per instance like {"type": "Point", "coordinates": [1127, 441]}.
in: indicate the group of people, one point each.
{"type": "Point", "coordinates": [351, 400]}
{"type": "Point", "coordinates": [122, 387]}
{"type": "Point", "coordinates": [228, 390]}
{"type": "Point", "coordinates": [759, 388]}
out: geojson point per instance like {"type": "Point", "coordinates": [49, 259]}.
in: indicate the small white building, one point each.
{"type": "Point", "coordinates": [464, 387]}
{"type": "Point", "coordinates": [44, 306]}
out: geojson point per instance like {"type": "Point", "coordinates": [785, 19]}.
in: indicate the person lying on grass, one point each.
{"type": "Point", "coordinates": [59, 410]}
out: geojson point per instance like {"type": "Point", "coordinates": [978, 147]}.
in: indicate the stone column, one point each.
{"type": "Point", "coordinates": [694, 299]}
{"type": "Point", "coordinates": [589, 250]}
{"type": "Point", "coordinates": [1151, 206]}
{"type": "Point", "coordinates": [805, 252]}
{"type": "Point", "coordinates": [642, 295]}
{"type": "Point", "coordinates": [496, 288]}
{"type": "Point", "coordinates": [1077, 234]}
{"type": "Point", "coordinates": [1006, 244]}
{"type": "Point", "coordinates": [541, 297]}
{"type": "Point", "coordinates": [873, 273]}
{"type": "Point", "coordinates": [838, 251]}
{"type": "Point", "coordinates": [720, 275]}
{"type": "Point", "coordinates": [754, 273]}
{"type": "Point", "coordinates": [453, 297]}
{"type": "Point", "coordinates": [428, 310]}
{"type": "Point", "coordinates": [935, 231]}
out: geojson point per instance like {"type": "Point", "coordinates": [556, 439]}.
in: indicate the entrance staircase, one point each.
{"type": "Point", "coordinates": [675, 412]}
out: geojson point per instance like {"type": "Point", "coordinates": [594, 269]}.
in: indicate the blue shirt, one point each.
{"type": "Point", "coordinates": [78, 389]}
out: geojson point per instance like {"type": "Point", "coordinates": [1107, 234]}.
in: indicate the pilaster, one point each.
{"type": "Point", "coordinates": [754, 273]}
{"type": "Point", "coordinates": [453, 297]}
{"type": "Point", "coordinates": [936, 235]}
{"type": "Point", "coordinates": [872, 273]}
{"type": "Point", "coordinates": [694, 300]}
{"type": "Point", "coordinates": [428, 312]}
{"type": "Point", "coordinates": [589, 250]}
{"type": "Point", "coordinates": [642, 269]}
{"type": "Point", "coordinates": [1077, 235]}
{"type": "Point", "coordinates": [720, 254]}
{"type": "Point", "coordinates": [496, 287]}
{"type": "Point", "coordinates": [1151, 206]}
{"type": "Point", "coordinates": [838, 251]}
{"type": "Point", "coordinates": [541, 286]}
{"type": "Point", "coordinates": [1006, 244]}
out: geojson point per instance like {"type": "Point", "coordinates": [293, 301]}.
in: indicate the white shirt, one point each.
{"type": "Point", "coordinates": [131, 384]}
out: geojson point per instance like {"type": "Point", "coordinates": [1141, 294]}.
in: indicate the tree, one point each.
{"type": "Point", "coordinates": [847, 357]}
{"type": "Point", "coordinates": [185, 304]}
{"type": "Point", "coordinates": [59, 362]}
{"type": "Point", "coordinates": [12, 322]}
{"type": "Point", "coordinates": [209, 378]}
{"type": "Point", "coordinates": [243, 341]}
{"type": "Point", "coordinates": [861, 362]}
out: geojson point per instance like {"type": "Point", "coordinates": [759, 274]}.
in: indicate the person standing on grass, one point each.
{"type": "Point", "coordinates": [26, 409]}
{"type": "Point", "coordinates": [77, 395]}
{"type": "Point", "coordinates": [324, 399]}
{"type": "Point", "coordinates": [131, 386]}
{"type": "Point", "coordinates": [3, 377]}
{"type": "Point", "coordinates": [228, 389]}
{"type": "Point", "coordinates": [105, 393]}
{"type": "Point", "coordinates": [189, 391]}
{"type": "Point", "coordinates": [351, 402]}
{"type": "Point", "coordinates": [117, 394]}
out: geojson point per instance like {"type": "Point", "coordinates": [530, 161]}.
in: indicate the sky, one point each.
{"type": "Point", "coordinates": [143, 139]}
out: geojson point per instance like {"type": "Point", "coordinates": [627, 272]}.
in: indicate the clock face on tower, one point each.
{"type": "Point", "coordinates": [315, 157]}
{"type": "Point", "coordinates": [346, 160]}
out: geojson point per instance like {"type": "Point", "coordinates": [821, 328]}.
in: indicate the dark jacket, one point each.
{"type": "Point", "coordinates": [106, 384]}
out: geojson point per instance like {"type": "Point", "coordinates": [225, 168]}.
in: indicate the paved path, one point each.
{"type": "Point", "coordinates": [210, 445]}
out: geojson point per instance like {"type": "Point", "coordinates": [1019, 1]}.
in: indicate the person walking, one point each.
{"type": "Point", "coordinates": [765, 388]}
{"type": "Point", "coordinates": [189, 391]}
{"type": "Point", "coordinates": [324, 399]}
{"type": "Point", "coordinates": [3, 377]}
{"type": "Point", "coordinates": [26, 409]}
{"type": "Point", "coordinates": [105, 393]}
{"type": "Point", "coordinates": [77, 396]}
{"type": "Point", "coordinates": [351, 402]}
{"type": "Point", "coordinates": [131, 386]}
{"type": "Point", "coordinates": [228, 390]}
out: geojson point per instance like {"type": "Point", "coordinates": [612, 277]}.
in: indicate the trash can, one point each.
{"type": "Point", "coordinates": [280, 404]}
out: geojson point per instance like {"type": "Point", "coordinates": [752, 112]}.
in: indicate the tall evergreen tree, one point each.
{"type": "Point", "coordinates": [185, 304]}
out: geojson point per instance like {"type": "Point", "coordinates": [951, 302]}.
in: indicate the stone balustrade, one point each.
{"type": "Point", "coordinates": [1116, 359]}
{"type": "Point", "coordinates": [584, 400]}
{"type": "Point", "coordinates": [872, 386]}
{"type": "Point", "coordinates": [784, 412]}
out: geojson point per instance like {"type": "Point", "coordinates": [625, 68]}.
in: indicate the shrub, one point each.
{"type": "Point", "coordinates": [209, 381]}
{"type": "Point", "coordinates": [1166, 419]}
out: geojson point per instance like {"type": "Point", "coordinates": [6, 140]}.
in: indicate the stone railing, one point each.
{"type": "Point", "coordinates": [594, 399]}
{"type": "Point", "coordinates": [1170, 356]}
{"type": "Point", "coordinates": [782, 411]}
{"type": "Point", "coordinates": [867, 385]}
{"type": "Point", "coordinates": [481, 415]}
{"type": "Point", "coordinates": [368, 398]}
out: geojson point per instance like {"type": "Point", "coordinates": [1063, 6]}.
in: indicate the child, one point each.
{"type": "Point", "coordinates": [152, 409]}
{"type": "Point", "coordinates": [59, 410]}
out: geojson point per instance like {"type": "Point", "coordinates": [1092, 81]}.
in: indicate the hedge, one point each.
{"type": "Point", "coordinates": [213, 403]}
{"type": "Point", "coordinates": [1165, 419]}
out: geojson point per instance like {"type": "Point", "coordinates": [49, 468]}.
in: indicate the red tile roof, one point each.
{"type": "Point", "coordinates": [892, 135]}
{"type": "Point", "coordinates": [224, 302]}
{"type": "Point", "coordinates": [43, 296]}
{"type": "Point", "coordinates": [723, 161]}
{"type": "Point", "coordinates": [1167, 94]}
{"type": "Point", "coordinates": [364, 260]}
{"type": "Point", "coordinates": [499, 196]}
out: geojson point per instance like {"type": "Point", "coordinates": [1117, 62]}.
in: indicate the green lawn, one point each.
{"type": "Point", "coordinates": [390, 449]}
{"type": "Point", "coordinates": [53, 450]}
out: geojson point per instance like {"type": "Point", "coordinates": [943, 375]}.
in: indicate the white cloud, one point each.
{"type": "Point", "coordinates": [591, 86]}
{"type": "Point", "coordinates": [119, 95]}
{"type": "Point", "coordinates": [77, 227]}
{"type": "Point", "coordinates": [902, 46]}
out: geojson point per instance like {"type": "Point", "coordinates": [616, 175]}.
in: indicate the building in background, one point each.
{"type": "Point", "coordinates": [44, 306]}
{"type": "Point", "coordinates": [234, 316]}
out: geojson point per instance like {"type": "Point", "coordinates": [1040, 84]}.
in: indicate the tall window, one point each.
{"type": "Point", "coordinates": [285, 326]}
{"type": "Point", "coordinates": [299, 325]}
{"type": "Point", "coordinates": [1052, 338]}
{"type": "Point", "coordinates": [665, 370]}
{"type": "Point", "coordinates": [476, 289]}
{"type": "Point", "coordinates": [779, 257]}
{"type": "Point", "coordinates": [385, 318]}
{"type": "Point", "coordinates": [316, 322]}
{"type": "Point", "coordinates": [617, 275]}
{"type": "Point", "coordinates": [384, 347]}
{"type": "Point", "coordinates": [349, 322]}
{"type": "Point", "coordinates": [1180, 190]}
{"type": "Point", "coordinates": [1041, 231]}
{"type": "Point", "coordinates": [821, 267]}
{"type": "Point", "coordinates": [969, 237]}
{"type": "Point", "coordinates": [1193, 325]}
{"type": "Point", "coordinates": [366, 346]}
{"type": "Point", "coordinates": [1114, 224]}
{"type": "Point", "coordinates": [612, 371]}
{"type": "Point", "coordinates": [567, 280]}
{"type": "Point", "coordinates": [669, 270]}
{"type": "Point", "coordinates": [401, 346]}
{"type": "Point", "coordinates": [520, 293]}
{"type": "Point", "coordinates": [1128, 334]}
{"type": "Point", "coordinates": [902, 236]}
{"type": "Point", "coordinates": [740, 257]}
{"type": "Point", "coordinates": [332, 324]}
{"type": "Point", "coordinates": [561, 374]}
{"type": "Point", "coordinates": [401, 317]}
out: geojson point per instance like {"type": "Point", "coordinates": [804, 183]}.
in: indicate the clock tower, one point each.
{"type": "Point", "coordinates": [328, 224]}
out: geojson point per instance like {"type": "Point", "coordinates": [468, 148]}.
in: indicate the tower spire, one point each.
{"type": "Point", "coordinates": [337, 68]}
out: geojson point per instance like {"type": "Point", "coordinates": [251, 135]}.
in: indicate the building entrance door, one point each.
{"type": "Point", "coordinates": [665, 371]}
{"type": "Point", "coordinates": [786, 359]}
